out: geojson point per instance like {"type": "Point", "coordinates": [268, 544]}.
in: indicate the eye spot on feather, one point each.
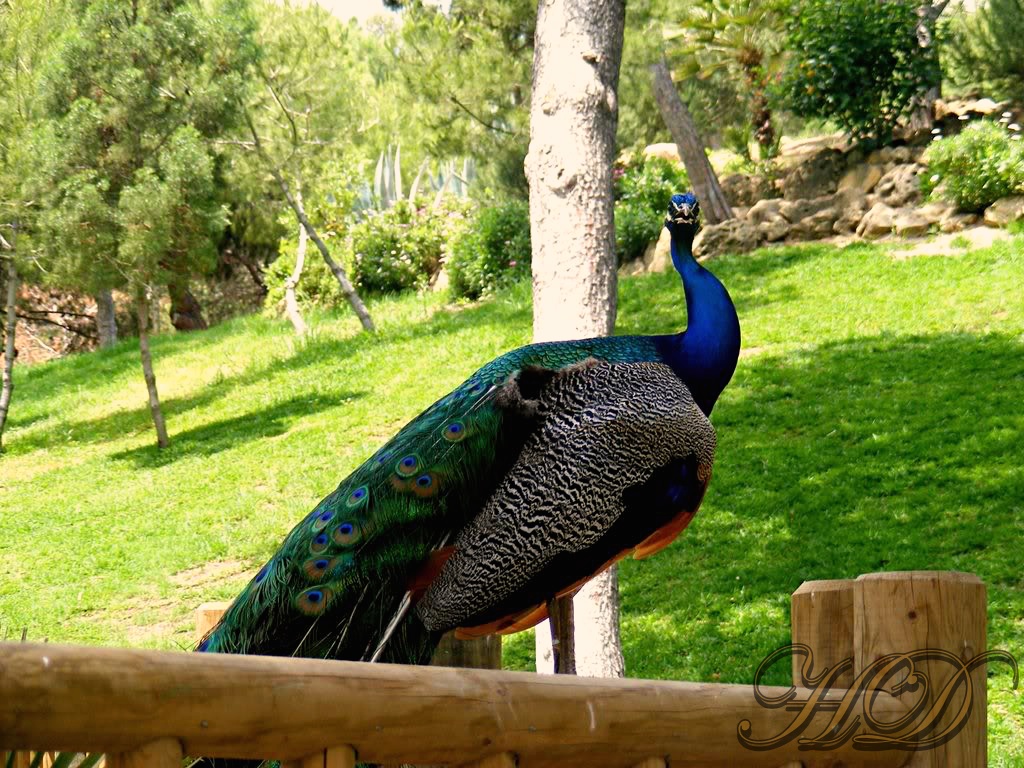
{"type": "Point", "coordinates": [426, 485]}
{"type": "Point", "coordinates": [407, 466]}
{"type": "Point", "coordinates": [313, 601]}
{"type": "Point", "coordinates": [476, 388]}
{"type": "Point", "coordinates": [346, 534]}
{"type": "Point", "coordinates": [358, 496]}
{"type": "Point", "coordinates": [319, 543]}
{"type": "Point", "coordinates": [316, 568]}
{"type": "Point", "coordinates": [322, 520]}
{"type": "Point", "coordinates": [384, 456]}
{"type": "Point", "coordinates": [262, 574]}
{"type": "Point", "coordinates": [203, 645]}
{"type": "Point", "coordinates": [454, 432]}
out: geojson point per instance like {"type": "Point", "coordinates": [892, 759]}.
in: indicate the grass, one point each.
{"type": "Point", "coordinates": [874, 423]}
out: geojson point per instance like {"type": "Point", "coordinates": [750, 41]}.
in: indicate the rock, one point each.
{"type": "Point", "coordinates": [970, 107]}
{"type": "Point", "coordinates": [957, 222]}
{"type": "Point", "coordinates": [901, 155]}
{"type": "Point", "coordinates": [658, 256]}
{"type": "Point", "coordinates": [909, 223]}
{"type": "Point", "coordinates": [863, 177]}
{"type": "Point", "coordinates": [732, 236]}
{"type": "Point", "coordinates": [441, 281]}
{"type": "Point", "coordinates": [816, 176]}
{"type": "Point", "coordinates": [667, 151]}
{"type": "Point", "coordinates": [794, 210]}
{"type": "Point", "coordinates": [815, 226]}
{"type": "Point", "coordinates": [632, 267]}
{"type": "Point", "coordinates": [881, 156]}
{"type": "Point", "coordinates": [775, 230]}
{"type": "Point", "coordinates": [1005, 211]}
{"type": "Point", "coordinates": [743, 190]}
{"type": "Point", "coordinates": [765, 211]}
{"type": "Point", "coordinates": [900, 186]}
{"type": "Point", "coordinates": [851, 206]}
{"type": "Point", "coordinates": [877, 222]}
{"type": "Point", "coordinates": [935, 212]}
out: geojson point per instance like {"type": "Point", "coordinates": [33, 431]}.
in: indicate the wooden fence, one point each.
{"type": "Point", "coordinates": [149, 708]}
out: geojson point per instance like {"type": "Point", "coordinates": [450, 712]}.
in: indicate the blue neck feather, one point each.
{"type": "Point", "coordinates": [704, 355]}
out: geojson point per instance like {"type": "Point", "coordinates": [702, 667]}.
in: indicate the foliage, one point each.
{"type": "Point", "coordinates": [641, 190]}
{"type": "Point", "coordinates": [978, 166]}
{"type": "Point", "coordinates": [403, 247]}
{"type": "Point", "coordinates": [985, 49]}
{"type": "Point", "coordinates": [855, 437]}
{"type": "Point", "coordinates": [492, 251]}
{"type": "Point", "coordinates": [857, 62]}
{"type": "Point", "coordinates": [742, 38]}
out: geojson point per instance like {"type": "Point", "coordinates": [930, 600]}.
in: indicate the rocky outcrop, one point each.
{"type": "Point", "coordinates": [743, 190]}
{"type": "Point", "coordinates": [732, 236]}
{"type": "Point", "coordinates": [818, 175]}
{"type": "Point", "coordinates": [1005, 211]}
{"type": "Point", "coordinates": [877, 222]}
{"type": "Point", "coordinates": [901, 185]}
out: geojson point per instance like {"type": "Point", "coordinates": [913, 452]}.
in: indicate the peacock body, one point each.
{"type": "Point", "coordinates": [545, 466]}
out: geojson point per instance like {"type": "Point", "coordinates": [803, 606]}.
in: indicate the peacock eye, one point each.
{"type": "Point", "coordinates": [424, 481]}
{"type": "Point", "coordinates": [345, 529]}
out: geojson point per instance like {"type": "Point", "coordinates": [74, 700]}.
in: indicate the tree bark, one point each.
{"type": "Point", "coordinates": [691, 149]}
{"type": "Point", "coordinates": [347, 289]}
{"type": "Point", "coordinates": [291, 305]}
{"type": "Point", "coordinates": [563, 638]}
{"type": "Point", "coordinates": [573, 118]}
{"type": "Point", "coordinates": [106, 319]}
{"type": "Point", "coordinates": [186, 311]}
{"type": "Point", "coordinates": [922, 118]}
{"type": "Point", "coordinates": [10, 327]}
{"type": "Point", "coordinates": [142, 312]}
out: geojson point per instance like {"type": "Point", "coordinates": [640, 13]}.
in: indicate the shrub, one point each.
{"type": "Point", "coordinates": [977, 167]}
{"type": "Point", "coordinates": [642, 191]}
{"type": "Point", "coordinates": [857, 62]}
{"type": "Point", "coordinates": [494, 249]}
{"type": "Point", "coordinates": [317, 287]}
{"type": "Point", "coordinates": [404, 246]}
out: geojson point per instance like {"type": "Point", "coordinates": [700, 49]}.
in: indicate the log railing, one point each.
{"type": "Point", "coordinates": [149, 708]}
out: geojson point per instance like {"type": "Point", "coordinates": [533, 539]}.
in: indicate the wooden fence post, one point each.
{"type": "Point", "coordinates": [207, 616]}
{"type": "Point", "coordinates": [910, 611]}
{"type": "Point", "coordinates": [478, 653]}
{"type": "Point", "coordinates": [822, 618]}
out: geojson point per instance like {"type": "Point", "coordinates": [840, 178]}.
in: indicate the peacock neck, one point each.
{"type": "Point", "coordinates": [705, 354]}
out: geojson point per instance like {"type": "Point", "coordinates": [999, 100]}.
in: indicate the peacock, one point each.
{"type": "Point", "coordinates": [546, 466]}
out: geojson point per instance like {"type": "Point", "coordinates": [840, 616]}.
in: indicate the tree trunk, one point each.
{"type": "Point", "coordinates": [573, 117]}
{"type": "Point", "coordinates": [291, 305]}
{"type": "Point", "coordinates": [142, 312]}
{"type": "Point", "coordinates": [691, 149]}
{"type": "Point", "coordinates": [186, 311]}
{"type": "Point", "coordinates": [922, 118]}
{"type": "Point", "coordinates": [106, 320]}
{"type": "Point", "coordinates": [347, 288]}
{"type": "Point", "coordinates": [9, 329]}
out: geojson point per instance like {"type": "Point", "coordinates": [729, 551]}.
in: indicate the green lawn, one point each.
{"type": "Point", "coordinates": [874, 423]}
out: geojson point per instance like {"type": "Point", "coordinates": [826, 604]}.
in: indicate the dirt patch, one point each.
{"type": "Point", "coordinates": [208, 573]}
{"type": "Point", "coordinates": [953, 243]}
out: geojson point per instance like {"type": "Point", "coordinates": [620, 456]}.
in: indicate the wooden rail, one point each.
{"type": "Point", "coordinates": [149, 708]}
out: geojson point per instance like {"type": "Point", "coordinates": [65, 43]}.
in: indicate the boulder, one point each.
{"type": "Point", "coordinates": [900, 186]}
{"type": "Point", "coordinates": [957, 222]}
{"type": "Point", "coordinates": [909, 223]}
{"type": "Point", "coordinates": [816, 176]}
{"type": "Point", "coordinates": [861, 177]}
{"type": "Point", "coordinates": [765, 211]}
{"type": "Point", "coordinates": [666, 151]}
{"type": "Point", "coordinates": [936, 211]}
{"type": "Point", "coordinates": [775, 230]}
{"type": "Point", "coordinates": [851, 206]}
{"type": "Point", "coordinates": [732, 236]}
{"type": "Point", "coordinates": [658, 256]}
{"type": "Point", "coordinates": [794, 210]}
{"type": "Point", "coordinates": [1005, 211]}
{"type": "Point", "coordinates": [877, 222]}
{"type": "Point", "coordinates": [815, 226]}
{"type": "Point", "coordinates": [743, 190]}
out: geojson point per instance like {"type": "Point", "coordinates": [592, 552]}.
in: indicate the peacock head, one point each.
{"type": "Point", "coordinates": [683, 215]}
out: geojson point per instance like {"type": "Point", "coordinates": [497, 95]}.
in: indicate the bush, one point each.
{"type": "Point", "coordinates": [857, 62]}
{"type": "Point", "coordinates": [396, 249]}
{"type": "Point", "coordinates": [316, 288]}
{"type": "Point", "coordinates": [977, 167]}
{"type": "Point", "coordinates": [494, 249]}
{"type": "Point", "coordinates": [642, 191]}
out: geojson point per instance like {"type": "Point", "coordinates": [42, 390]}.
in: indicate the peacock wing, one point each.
{"type": "Point", "coordinates": [621, 454]}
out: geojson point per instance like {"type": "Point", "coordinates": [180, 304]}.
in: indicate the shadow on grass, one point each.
{"type": "Point", "coordinates": [93, 369]}
{"type": "Point", "coordinates": [887, 453]}
{"type": "Point", "coordinates": [221, 435]}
